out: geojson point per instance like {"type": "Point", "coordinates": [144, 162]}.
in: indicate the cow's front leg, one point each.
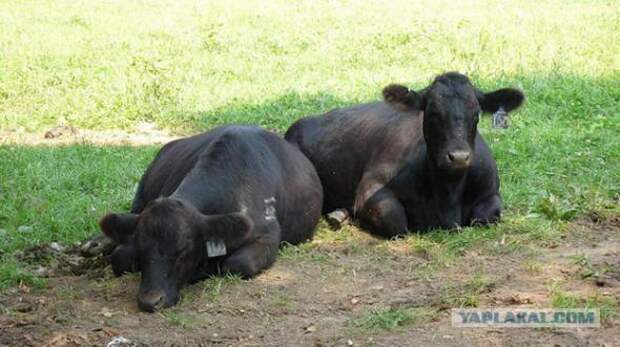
{"type": "Point", "coordinates": [252, 258]}
{"type": "Point", "coordinates": [380, 209]}
{"type": "Point", "coordinates": [486, 211]}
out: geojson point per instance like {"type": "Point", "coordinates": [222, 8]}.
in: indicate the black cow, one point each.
{"type": "Point", "coordinates": [413, 162]}
{"type": "Point", "coordinates": [218, 202]}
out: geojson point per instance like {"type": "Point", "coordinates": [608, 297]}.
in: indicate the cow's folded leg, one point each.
{"type": "Point", "coordinates": [385, 214]}
{"type": "Point", "coordinates": [252, 258]}
{"type": "Point", "coordinates": [486, 211]}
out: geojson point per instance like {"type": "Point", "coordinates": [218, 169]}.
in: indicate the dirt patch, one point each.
{"type": "Point", "coordinates": [315, 293]}
{"type": "Point", "coordinates": [143, 134]}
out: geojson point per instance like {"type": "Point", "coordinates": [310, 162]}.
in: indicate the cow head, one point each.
{"type": "Point", "coordinates": [452, 107]}
{"type": "Point", "coordinates": [166, 242]}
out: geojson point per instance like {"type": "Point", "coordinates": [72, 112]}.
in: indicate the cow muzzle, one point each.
{"type": "Point", "coordinates": [153, 300]}
{"type": "Point", "coordinates": [459, 159]}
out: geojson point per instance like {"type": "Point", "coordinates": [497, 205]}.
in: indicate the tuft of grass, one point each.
{"type": "Point", "coordinates": [13, 274]}
{"type": "Point", "coordinates": [177, 319]}
{"type": "Point", "coordinates": [609, 306]}
{"type": "Point", "coordinates": [533, 267]}
{"type": "Point", "coordinates": [391, 318]}
{"type": "Point", "coordinates": [282, 302]}
{"type": "Point", "coordinates": [303, 251]}
{"type": "Point", "coordinates": [587, 270]}
{"type": "Point", "coordinates": [556, 209]}
{"type": "Point", "coordinates": [213, 286]}
{"type": "Point", "coordinates": [467, 294]}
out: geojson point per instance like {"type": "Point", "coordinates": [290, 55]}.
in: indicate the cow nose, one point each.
{"type": "Point", "coordinates": [151, 300]}
{"type": "Point", "coordinates": [459, 158]}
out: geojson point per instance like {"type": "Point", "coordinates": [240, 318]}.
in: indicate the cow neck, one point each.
{"type": "Point", "coordinates": [447, 195]}
{"type": "Point", "coordinates": [189, 196]}
{"type": "Point", "coordinates": [446, 187]}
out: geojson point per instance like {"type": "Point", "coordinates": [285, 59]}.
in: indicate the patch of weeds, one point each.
{"type": "Point", "coordinates": [524, 230]}
{"type": "Point", "coordinates": [178, 319]}
{"type": "Point", "coordinates": [431, 250]}
{"type": "Point", "coordinates": [12, 274]}
{"type": "Point", "coordinates": [435, 254]}
{"type": "Point", "coordinates": [607, 305]}
{"type": "Point", "coordinates": [212, 287]}
{"type": "Point", "coordinates": [533, 266]}
{"type": "Point", "coordinates": [504, 245]}
{"type": "Point", "coordinates": [301, 252]}
{"type": "Point", "coordinates": [458, 241]}
{"type": "Point", "coordinates": [390, 319]}
{"type": "Point", "coordinates": [348, 239]}
{"type": "Point", "coordinates": [468, 294]}
{"type": "Point", "coordinates": [345, 234]}
{"type": "Point", "coordinates": [586, 269]}
{"type": "Point", "coordinates": [556, 209]}
{"type": "Point", "coordinates": [282, 302]}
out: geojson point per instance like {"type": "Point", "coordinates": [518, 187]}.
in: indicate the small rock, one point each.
{"type": "Point", "coordinates": [56, 247]}
{"type": "Point", "coordinates": [120, 341]}
{"type": "Point", "coordinates": [41, 271]}
{"type": "Point", "coordinates": [310, 329]}
{"type": "Point", "coordinates": [349, 342]}
{"type": "Point", "coordinates": [24, 228]}
{"type": "Point", "coordinates": [354, 301]}
{"type": "Point", "coordinates": [99, 244]}
{"type": "Point", "coordinates": [106, 312]}
{"type": "Point", "coordinates": [59, 131]}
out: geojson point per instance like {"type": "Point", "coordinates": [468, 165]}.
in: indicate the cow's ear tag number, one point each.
{"type": "Point", "coordinates": [500, 119]}
{"type": "Point", "coordinates": [215, 248]}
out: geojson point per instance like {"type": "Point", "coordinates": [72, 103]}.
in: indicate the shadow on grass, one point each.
{"type": "Point", "coordinates": [274, 114]}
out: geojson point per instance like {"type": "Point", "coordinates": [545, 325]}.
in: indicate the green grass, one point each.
{"type": "Point", "coordinates": [608, 305]}
{"type": "Point", "coordinates": [466, 294]}
{"type": "Point", "coordinates": [177, 319]}
{"type": "Point", "coordinates": [189, 66]}
{"type": "Point", "coordinates": [11, 274]}
{"type": "Point", "coordinates": [212, 287]}
{"type": "Point", "coordinates": [390, 319]}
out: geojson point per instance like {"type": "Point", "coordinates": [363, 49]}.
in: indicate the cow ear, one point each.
{"type": "Point", "coordinates": [399, 94]}
{"type": "Point", "coordinates": [119, 226]}
{"type": "Point", "coordinates": [507, 98]}
{"type": "Point", "coordinates": [232, 228]}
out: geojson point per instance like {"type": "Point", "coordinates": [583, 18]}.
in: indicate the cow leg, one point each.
{"type": "Point", "coordinates": [382, 212]}
{"type": "Point", "coordinates": [486, 211]}
{"type": "Point", "coordinates": [252, 258]}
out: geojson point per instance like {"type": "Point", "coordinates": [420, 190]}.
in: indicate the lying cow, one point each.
{"type": "Point", "coordinates": [412, 162]}
{"type": "Point", "coordinates": [218, 202]}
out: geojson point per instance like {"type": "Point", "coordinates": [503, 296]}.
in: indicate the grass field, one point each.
{"type": "Point", "coordinates": [188, 66]}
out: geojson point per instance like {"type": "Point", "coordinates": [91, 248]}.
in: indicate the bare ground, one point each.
{"type": "Point", "coordinates": [143, 134]}
{"type": "Point", "coordinates": [317, 295]}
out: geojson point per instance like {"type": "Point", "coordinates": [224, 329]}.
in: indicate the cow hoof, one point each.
{"type": "Point", "coordinates": [338, 218]}
{"type": "Point", "coordinates": [99, 244]}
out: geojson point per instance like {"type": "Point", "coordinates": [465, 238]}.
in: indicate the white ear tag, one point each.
{"type": "Point", "coordinates": [270, 209]}
{"type": "Point", "coordinates": [500, 119]}
{"type": "Point", "coordinates": [215, 248]}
